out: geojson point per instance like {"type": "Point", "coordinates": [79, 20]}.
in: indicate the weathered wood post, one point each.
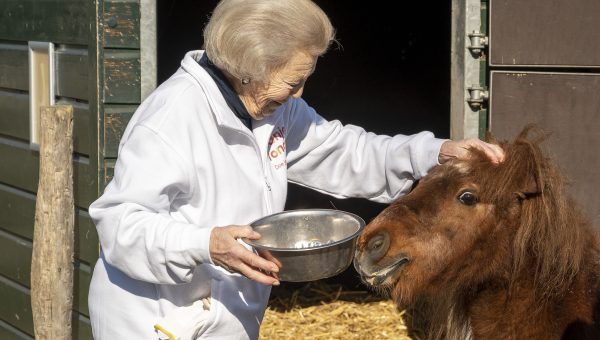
{"type": "Point", "coordinates": [53, 237]}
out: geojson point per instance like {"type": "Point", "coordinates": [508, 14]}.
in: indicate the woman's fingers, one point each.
{"type": "Point", "coordinates": [267, 255]}
{"type": "Point", "coordinates": [260, 269]}
{"type": "Point", "coordinates": [257, 275]}
{"type": "Point", "coordinates": [492, 151]}
{"type": "Point", "coordinates": [255, 267]}
{"type": "Point", "coordinates": [461, 150]}
{"type": "Point", "coordinates": [228, 253]}
{"type": "Point", "coordinates": [256, 261]}
{"type": "Point", "coordinates": [249, 257]}
{"type": "Point", "coordinates": [244, 231]}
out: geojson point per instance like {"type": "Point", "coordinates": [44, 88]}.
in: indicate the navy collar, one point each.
{"type": "Point", "coordinates": [231, 97]}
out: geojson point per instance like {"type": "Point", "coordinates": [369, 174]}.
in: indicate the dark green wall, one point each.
{"type": "Point", "coordinates": [97, 62]}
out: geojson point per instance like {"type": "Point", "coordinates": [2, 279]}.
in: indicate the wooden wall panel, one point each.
{"type": "Point", "coordinates": [83, 276]}
{"type": "Point", "coordinates": [81, 127]}
{"type": "Point", "coordinates": [72, 68]}
{"type": "Point", "coordinates": [18, 216]}
{"type": "Point", "coordinates": [109, 170]}
{"type": "Point", "coordinates": [122, 77]}
{"type": "Point", "coordinates": [14, 114]}
{"type": "Point", "coordinates": [72, 65]}
{"type": "Point", "coordinates": [82, 329]}
{"type": "Point", "coordinates": [15, 309]}
{"type": "Point", "coordinates": [60, 21]}
{"type": "Point", "coordinates": [20, 169]}
{"type": "Point", "coordinates": [14, 67]}
{"type": "Point", "coordinates": [16, 262]}
{"type": "Point", "coordinates": [87, 245]}
{"type": "Point", "coordinates": [71, 82]}
{"type": "Point", "coordinates": [8, 332]}
{"type": "Point", "coordinates": [17, 267]}
{"type": "Point", "coordinates": [18, 211]}
{"type": "Point", "coordinates": [116, 118]}
{"type": "Point", "coordinates": [122, 24]}
{"type": "Point", "coordinates": [14, 119]}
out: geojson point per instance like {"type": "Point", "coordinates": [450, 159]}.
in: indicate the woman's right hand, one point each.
{"type": "Point", "coordinates": [228, 253]}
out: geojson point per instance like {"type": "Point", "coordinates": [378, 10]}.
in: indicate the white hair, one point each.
{"type": "Point", "coordinates": [253, 38]}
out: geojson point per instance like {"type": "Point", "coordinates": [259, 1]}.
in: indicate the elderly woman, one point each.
{"type": "Point", "coordinates": [211, 150]}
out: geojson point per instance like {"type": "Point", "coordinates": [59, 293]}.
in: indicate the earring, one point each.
{"type": "Point", "coordinates": [245, 81]}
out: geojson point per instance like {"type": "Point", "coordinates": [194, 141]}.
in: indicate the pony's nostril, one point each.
{"type": "Point", "coordinates": [378, 245]}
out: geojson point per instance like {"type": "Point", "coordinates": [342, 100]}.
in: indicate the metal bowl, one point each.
{"type": "Point", "coordinates": [310, 244]}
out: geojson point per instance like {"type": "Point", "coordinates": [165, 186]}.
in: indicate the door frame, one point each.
{"type": "Point", "coordinates": [466, 69]}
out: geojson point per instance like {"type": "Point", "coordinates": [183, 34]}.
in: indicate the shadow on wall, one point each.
{"type": "Point", "coordinates": [391, 74]}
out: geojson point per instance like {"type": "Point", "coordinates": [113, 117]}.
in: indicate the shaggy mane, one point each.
{"type": "Point", "coordinates": [549, 238]}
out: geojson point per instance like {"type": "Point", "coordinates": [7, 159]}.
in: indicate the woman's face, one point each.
{"type": "Point", "coordinates": [261, 100]}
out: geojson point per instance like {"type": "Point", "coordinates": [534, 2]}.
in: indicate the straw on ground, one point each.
{"type": "Point", "coordinates": [324, 311]}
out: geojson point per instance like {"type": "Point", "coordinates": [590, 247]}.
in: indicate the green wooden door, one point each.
{"type": "Point", "coordinates": [97, 71]}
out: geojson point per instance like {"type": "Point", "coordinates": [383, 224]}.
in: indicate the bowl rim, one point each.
{"type": "Point", "coordinates": [361, 227]}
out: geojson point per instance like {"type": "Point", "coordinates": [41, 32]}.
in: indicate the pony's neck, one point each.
{"type": "Point", "coordinates": [494, 314]}
{"type": "Point", "coordinates": [497, 311]}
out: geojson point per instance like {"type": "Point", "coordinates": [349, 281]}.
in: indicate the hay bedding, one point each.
{"type": "Point", "coordinates": [318, 310]}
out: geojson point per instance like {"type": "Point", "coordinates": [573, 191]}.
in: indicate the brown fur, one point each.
{"type": "Point", "coordinates": [521, 263]}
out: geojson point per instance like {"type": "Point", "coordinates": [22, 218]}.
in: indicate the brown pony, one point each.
{"type": "Point", "coordinates": [494, 251]}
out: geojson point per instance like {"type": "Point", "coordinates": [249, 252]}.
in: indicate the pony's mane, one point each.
{"type": "Point", "coordinates": [550, 236]}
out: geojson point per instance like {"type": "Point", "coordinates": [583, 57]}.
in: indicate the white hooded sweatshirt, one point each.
{"type": "Point", "coordinates": [186, 165]}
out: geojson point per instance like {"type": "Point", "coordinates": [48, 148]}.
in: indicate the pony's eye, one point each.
{"type": "Point", "coordinates": [468, 198]}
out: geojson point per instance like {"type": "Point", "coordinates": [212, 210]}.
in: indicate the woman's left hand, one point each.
{"type": "Point", "coordinates": [460, 149]}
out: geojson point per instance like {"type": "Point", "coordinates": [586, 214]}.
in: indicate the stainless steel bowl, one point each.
{"type": "Point", "coordinates": [310, 244]}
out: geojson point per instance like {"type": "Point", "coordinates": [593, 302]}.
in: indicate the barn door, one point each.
{"type": "Point", "coordinates": [544, 68]}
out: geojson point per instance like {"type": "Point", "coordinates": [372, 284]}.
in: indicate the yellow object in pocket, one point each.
{"type": "Point", "coordinates": [183, 323]}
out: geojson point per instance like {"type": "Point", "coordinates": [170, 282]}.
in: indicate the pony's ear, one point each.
{"type": "Point", "coordinates": [532, 186]}
{"type": "Point", "coordinates": [490, 138]}
{"type": "Point", "coordinates": [527, 192]}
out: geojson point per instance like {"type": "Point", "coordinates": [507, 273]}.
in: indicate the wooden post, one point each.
{"type": "Point", "coordinates": [53, 237]}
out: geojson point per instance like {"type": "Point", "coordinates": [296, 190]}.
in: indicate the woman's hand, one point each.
{"type": "Point", "coordinates": [460, 149]}
{"type": "Point", "coordinates": [228, 253]}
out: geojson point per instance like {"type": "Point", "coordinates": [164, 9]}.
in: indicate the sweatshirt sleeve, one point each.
{"type": "Point", "coordinates": [137, 234]}
{"type": "Point", "coordinates": [347, 161]}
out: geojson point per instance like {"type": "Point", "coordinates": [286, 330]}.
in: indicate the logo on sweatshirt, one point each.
{"type": "Point", "coordinates": [276, 150]}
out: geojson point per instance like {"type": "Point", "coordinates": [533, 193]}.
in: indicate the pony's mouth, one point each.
{"type": "Point", "coordinates": [378, 277]}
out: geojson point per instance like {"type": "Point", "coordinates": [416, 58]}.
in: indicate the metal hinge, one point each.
{"type": "Point", "coordinates": [477, 96]}
{"type": "Point", "coordinates": [478, 42]}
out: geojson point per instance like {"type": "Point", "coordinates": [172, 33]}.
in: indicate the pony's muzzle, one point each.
{"type": "Point", "coordinates": [370, 261]}
{"type": "Point", "coordinates": [380, 275]}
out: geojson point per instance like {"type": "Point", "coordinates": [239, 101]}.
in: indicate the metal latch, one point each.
{"type": "Point", "coordinates": [477, 96]}
{"type": "Point", "coordinates": [478, 42]}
